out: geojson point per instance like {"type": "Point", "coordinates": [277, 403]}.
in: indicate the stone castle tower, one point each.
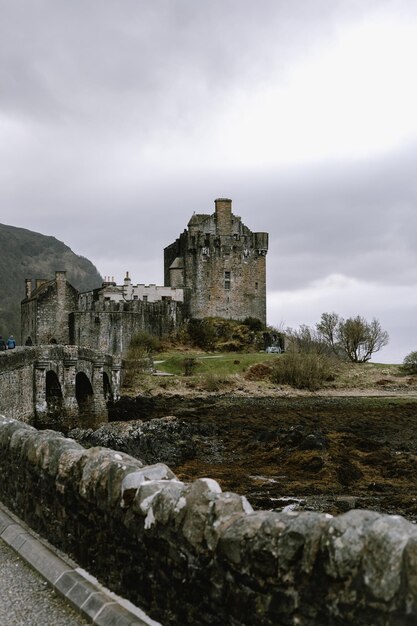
{"type": "Point", "coordinates": [221, 264]}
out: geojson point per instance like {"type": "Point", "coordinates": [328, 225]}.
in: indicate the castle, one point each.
{"type": "Point", "coordinates": [220, 264]}
{"type": "Point", "coordinates": [216, 268]}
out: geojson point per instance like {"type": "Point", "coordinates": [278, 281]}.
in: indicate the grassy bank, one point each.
{"type": "Point", "coordinates": [192, 372]}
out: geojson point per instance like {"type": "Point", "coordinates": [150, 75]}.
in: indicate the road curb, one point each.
{"type": "Point", "coordinates": [94, 601]}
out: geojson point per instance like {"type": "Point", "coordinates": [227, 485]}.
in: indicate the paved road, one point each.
{"type": "Point", "coordinates": [26, 599]}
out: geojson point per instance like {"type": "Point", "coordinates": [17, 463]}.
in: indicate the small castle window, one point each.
{"type": "Point", "coordinates": [145, 298]}
{"type": "Point", "coordinates": [135, 297]}
{"type": "Point", "coordinates": [227, 280]}
{"type": "Point", "coordinates": [256, 286]}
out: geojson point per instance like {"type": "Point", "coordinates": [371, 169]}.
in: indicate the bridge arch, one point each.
{"type": "Point", "coordinates": [53, 396]}
{"type": "Point", "coordinates": [61, 387]}
{"type": "Point", "coordinates": [84, 395]}
{"type": "Point", "coordinates": [107, 388]}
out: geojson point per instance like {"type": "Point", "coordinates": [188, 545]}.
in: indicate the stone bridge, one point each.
{"type": "Point", "coordinates": [58, 386]}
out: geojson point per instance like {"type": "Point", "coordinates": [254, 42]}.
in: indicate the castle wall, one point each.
{"type": "Point", "coordinates": [28, 320]}
{"type": "Point", "coordinates": [45, 313]}
{"type": "Point", "coordinates": [110, 326]}
{"type": "Point", "coordinates": [17, 384]}
{"type": "Point", "coordinates": [191, 554]}
{"type": "Point", "coordinates": [224, 266]}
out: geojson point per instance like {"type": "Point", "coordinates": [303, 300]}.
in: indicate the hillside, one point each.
{"type": "Point", "coordinates": [26, 254]}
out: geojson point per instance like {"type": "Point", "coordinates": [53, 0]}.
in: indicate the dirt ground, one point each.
{"type": "Point", "coordinates": [352, 444]}
{"type": "Point", "coordinates": [318, 453]}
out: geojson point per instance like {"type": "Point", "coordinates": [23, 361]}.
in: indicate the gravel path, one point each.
{"type": "Point", "coordinates": [26, 599]}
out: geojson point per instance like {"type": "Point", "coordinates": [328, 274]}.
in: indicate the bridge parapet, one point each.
{"type": "Point", "coordinates": [58, 386]}
{"type": "Point", "coordinates": [200, 556]}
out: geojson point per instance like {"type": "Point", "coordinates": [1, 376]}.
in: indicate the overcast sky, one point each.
{"type": "Point", "coordinates": [120, 118]}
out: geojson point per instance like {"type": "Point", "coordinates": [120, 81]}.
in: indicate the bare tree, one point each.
{"type": "Point", "coordinates": [328, 330]}
{"type": "Point", "coordinates": [355, 338]}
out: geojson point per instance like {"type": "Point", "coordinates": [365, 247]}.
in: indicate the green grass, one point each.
{"type": "Point", "coordinates": [220, 364]}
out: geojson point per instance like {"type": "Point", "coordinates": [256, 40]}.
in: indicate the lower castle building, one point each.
{"type": "Point", "coordinates": [104, 319]}
{"type": "Point", "coordinates": [216, 268]}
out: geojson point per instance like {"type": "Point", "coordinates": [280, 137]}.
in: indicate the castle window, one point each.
{"type": "Point", "coordinates": [145, 298]}
{"type": "Point", "coordinates": [256, 286]}
{"type": "Point", "coordinates": [135, 297]}
{"type": "Point", "coordinates": [227, 280]}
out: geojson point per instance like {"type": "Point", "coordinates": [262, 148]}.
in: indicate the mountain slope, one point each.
{"type": "Point", "coordinates": [26, 254]}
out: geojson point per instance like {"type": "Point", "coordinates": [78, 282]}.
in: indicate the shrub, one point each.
{"type": "Point", "coordinates": [202, 333]}
{"type": "Point", "coordinates": [190, 363]}
{"type": "Point", "coordinates": [224, 335]}
{"type": "Point", "coordinates": [259, 371]}
{"type": "Point", "coordinates": [138, 359]}
{"type": "Point", "coordinates": [144, 342]}
{"type": "Point", "coordinates": [409, 365]}
{"type": "Point", "coordinates": [303, 371]}
{"type": "Point", "coordinates": [253, 323]}
{"type": "Point", "coordinates": [214, 382]}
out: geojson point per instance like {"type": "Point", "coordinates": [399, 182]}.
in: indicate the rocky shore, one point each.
{"type": "Point", "coordinates": [301, 453]}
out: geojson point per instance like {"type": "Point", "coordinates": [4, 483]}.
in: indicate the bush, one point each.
{"type": "Point", "coordinates": [218, 334]}
{"type": "Point", "coordinates": [259, 371]}
{"type": "Point", "coordinates": [144, 342]}
{"type": "Point", "coordinates": [303, 371]}
{"type": "Point", "coordinates": [138, 360]}
{"type": "Point", "coordinates": [190, 363]}
{"type": "Point", "coordinates": [254, 324]}
{"type": "Point", "coordinates": [214, 382]}
{"type": "Point", "coordinates": [202, 333]}
{"type": "Point", "coordinates": [409, 365]}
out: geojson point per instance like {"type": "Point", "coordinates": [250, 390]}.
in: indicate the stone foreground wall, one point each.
{"type": "Point", "coordinates": [191, 554]}
{"type": "Point", "coordinates": [16, 383]}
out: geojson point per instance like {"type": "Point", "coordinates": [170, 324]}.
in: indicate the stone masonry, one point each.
{"type": "Point", "coordinates": [58, 386]}
{"type": "Point", "coordinates": [221, 265]}
{"type": "Point", "coordinates": [192, 554]}
{"type": "Point", "coordinates": [216, 268]}
{"type": "Point", "coordinates": [45, 310]}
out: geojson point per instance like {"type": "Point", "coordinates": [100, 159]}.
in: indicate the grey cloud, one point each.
{"type": "Point", "coordinates": [142, 59]}
{"type": "Point", "coordinates": [89, 82]}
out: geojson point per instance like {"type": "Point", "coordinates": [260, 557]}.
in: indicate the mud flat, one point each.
{"type": "Point", "coordinates": [313, 453]}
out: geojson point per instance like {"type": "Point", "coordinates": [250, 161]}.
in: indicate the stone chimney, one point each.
{"type": "Point", "coordinates": [60, 276]}
{"type": "Point", "coordinates": [223, 216]}
{"type": "Point", "coordinates": [127, 287]}
{"type": "Point", "coordinates": [28, 287]}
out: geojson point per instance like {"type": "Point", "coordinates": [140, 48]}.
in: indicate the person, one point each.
{"type": "Point", "coordinates": [29, 342]}
{"type": "Point", "coordinates": [11, 343]}
{"type": "Point", "coordinates": [2, 343]}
